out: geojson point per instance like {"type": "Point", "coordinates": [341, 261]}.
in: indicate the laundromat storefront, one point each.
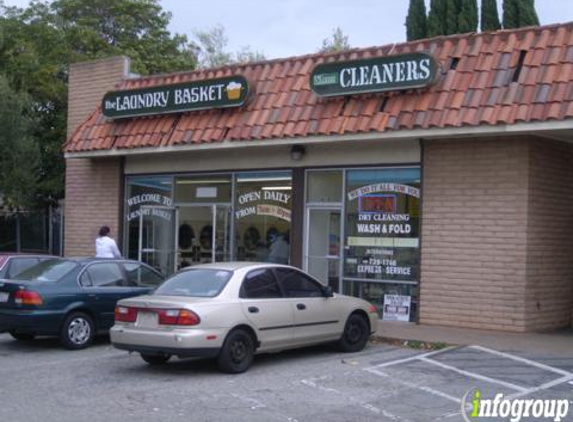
{"type": "Point", "coordinates": [432, 177]}
{"type": "Point", "coordinates": [360, 235]}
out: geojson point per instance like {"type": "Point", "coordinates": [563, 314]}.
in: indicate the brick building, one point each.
{"type": "Point", "coordinates": [437, 173]}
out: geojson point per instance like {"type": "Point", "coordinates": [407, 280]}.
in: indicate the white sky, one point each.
{"type": "Point", "coordinates": [281, 28]}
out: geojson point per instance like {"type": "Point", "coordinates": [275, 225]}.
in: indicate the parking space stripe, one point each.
{"type": "Point", "coordinates": [474, 375]}
{"type": "Point", "coordinates": [411, 358]}
{"type": "Point", "coordinates": [522, 360]}
{"type": "Point", "coordinates": [416, 386]}
{"type": "Point", "coordinates": [542, 387]}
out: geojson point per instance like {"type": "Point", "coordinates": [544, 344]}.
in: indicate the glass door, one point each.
{"type": "Point", "coordinates": [203, 234]}
{"type": "Point", "coordinates": [322, 249]}
{"type": "Point", "coordinates": [157, 237]}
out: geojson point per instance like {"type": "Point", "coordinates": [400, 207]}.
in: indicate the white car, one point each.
{"type": "Point", "coordinates": [234, 310]}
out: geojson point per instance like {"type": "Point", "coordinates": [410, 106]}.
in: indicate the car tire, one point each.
{"type": "Point", "coordinates": [355, 335]}
{"type": "Point", "coordinates": [22, 336]}
{"type": "Point", "coordinates": [155, 359]}
{"type": "Point", "coordinates": [237, 352]}
{"type": "Point", "coordinates": [77, 331]}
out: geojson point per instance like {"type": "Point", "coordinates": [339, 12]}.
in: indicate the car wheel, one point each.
{"type": "Point", "coordinates": [22, 336]}
{"type": "Point", "coordinates": [77, 331]}
{"type": "Point", "coordinates": [155, 359]}
{"type": "Point", "coordinates": [355, 335]}
{"type": "Point", "coordinates": [237, 352]}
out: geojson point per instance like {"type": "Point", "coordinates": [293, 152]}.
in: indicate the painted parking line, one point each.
{"type": "Point", "coordinates": [566, 377]}
{"type": "Point", "coordinates": [474, 375]}
{"type": "Point", "coordinates": [415, 386]}
{"type": "Point", "coordinates": [411, 358]}
{"type": "Point", "coordinates": [522, 360]}
{"type": "Point", "coordinates": [315, 383]}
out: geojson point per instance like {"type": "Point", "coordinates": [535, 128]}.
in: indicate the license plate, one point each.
{"type": "Point", "coordinates": [146, 319]}
{"type": "Point", "coordinates": [4, 297]}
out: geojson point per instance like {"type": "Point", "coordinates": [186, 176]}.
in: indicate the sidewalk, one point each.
{"type": "Point", "coordinates": [555, 344]}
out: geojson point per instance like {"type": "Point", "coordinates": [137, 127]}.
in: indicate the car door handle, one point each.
{"type": "Point", "coordinates": [300, 306]}
{"type": "Point", "coordinates": [253, 309]}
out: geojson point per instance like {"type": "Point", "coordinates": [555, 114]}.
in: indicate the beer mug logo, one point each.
{"type": "Point", "coordinates": [234, 90]}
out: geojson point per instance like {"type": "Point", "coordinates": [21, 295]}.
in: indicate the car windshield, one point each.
{"type": "Point", "coordinates": [196, 283]}
{"type": "Point", "coordinates": [48, 270]}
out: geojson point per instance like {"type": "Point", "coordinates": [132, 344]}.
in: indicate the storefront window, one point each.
{"type": "Point", "coordinates": [324, 186]}
{"type": "Point", "coordinates": [203, 204]}
{"type": "Point", "coordinates": [147, 192]}
{"type": "Point", "coordinates": [203, 189]}
{"type": "Point", "coordinates": [262, 215]}
{"type": "Point", "coordinates": [382, 254]}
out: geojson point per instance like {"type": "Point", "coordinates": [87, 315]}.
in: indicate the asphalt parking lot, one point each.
{"type": "Point", "coordinates": [42, 382]}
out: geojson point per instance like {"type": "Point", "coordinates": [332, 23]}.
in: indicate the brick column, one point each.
{"type": "Point", "coordinates": [474, 233]}
{"type": "Point", "coordinates": [93, 187]}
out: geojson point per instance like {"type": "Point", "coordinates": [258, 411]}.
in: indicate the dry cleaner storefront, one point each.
{"type": "Point", "coordinates": [331, 162]}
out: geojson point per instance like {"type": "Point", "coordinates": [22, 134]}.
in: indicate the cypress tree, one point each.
{"type": "Point", "coordinates": [510, 14]}
{"type": "Point", "coordinates": [437, 18]}
{"type": "Point", "coordinates": [527, 14]}
{"type": "Point", "coordinates": [451, 25]}
{"type": "Point", "coordinates": [489, 16]}
{"type": "Point", "coordinates": [416, 21]}
{"type": "Point", "coordinates": [468, 17]}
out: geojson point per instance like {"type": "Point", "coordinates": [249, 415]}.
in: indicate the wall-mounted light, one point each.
{"type": "Point", "coordinates": [296, 152]}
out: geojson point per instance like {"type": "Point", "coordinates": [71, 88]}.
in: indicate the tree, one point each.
{"type": "Point", "coordinates": [338, 41]}
{"type": "Point", "coordinates": [510, 14]}
{"type": "Point", "coordinates": [212, 49]}
{"type": "Point", "coordinates": [519, 13]}
{"type": "Point", "coordinates": [40, 41]}
{"type": "Point", "coordinates": [437, 18]}
{"type": "Point", "coordinates": [452, 11]}
{"type": "Point", "coordinates": [416, 21]}
{"type": "Point", "coordinates": [489, 16]}
{"type": "Point", "coordinates": [527, 14]}
{"type": "Point", "coordinates": [468, 16]}
{"type": "Point", "coordinates": [19, 153]}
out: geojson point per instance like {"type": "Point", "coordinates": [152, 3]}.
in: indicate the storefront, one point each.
{"type": "Point", "coordinates": [408, 175]}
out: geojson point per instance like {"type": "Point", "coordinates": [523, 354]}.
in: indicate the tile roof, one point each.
{"type": "Point", "coordinates": [477, 85]}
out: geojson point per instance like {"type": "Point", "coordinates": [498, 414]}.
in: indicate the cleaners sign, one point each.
{"type": "Point", "coordinates": [407, 71]}
{"type": "Point", "coordinates": [198, 95]}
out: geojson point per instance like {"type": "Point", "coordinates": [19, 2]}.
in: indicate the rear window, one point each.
{"type": "Point", "coordinates": [48, 270]}
{"type": "Point", "coordinates": [195, 283]}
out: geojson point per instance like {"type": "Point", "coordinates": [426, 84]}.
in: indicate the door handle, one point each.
{"type": "Point", "coordinates": [300, 306]}
{"type": "Point", "coordinates": [253, 309]}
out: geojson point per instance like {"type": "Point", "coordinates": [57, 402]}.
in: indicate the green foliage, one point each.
{"type": "Point", "coordinates": [527, 14]}
{"type": "Point", "coordinates": [510, 14]}
{"type": "Point", "coordinates": [468, 16]}
{"type": "Point", "coordinates": [338, 41]}
{"type": "Point", "coordinates": [489, 16]}
{"type": "Point", "coordinates": [212, 50]}
{"type": "Point", "coordinates": [452, 13]}
{"type": "Point", "coordinates": [19, 154]}
{"type": "Point", "coordinates": [437, 18]}
{"type": "Point", "coordinates": [519, 13]}
{"type": "Point", "coordinates": [39, 42]}
{"type": "Point", "coordinates": [416, 21]}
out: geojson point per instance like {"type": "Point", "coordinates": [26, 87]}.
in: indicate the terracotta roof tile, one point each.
{"type": "Point", "coordinates": [479, 91]}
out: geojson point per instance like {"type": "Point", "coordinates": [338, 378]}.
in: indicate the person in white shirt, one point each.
{"type": "Point", "coordinates": [105, 245]}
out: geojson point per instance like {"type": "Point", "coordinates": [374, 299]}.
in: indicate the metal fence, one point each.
{"type": "Point", "coordinates": [36, 232]}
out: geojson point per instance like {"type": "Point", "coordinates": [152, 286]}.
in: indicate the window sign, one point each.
{"type": "Point", "coordinates": [145, 191]}
{"type": "Point", "coordinates": [396, 308]}
{"type": "Point", "coordinates": [382, 225]}
{"type": "Point", "coordinates": [262, 215]}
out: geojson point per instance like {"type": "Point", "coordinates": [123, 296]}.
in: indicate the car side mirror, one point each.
{"type": "Point", "coordinates": [327, 291]}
